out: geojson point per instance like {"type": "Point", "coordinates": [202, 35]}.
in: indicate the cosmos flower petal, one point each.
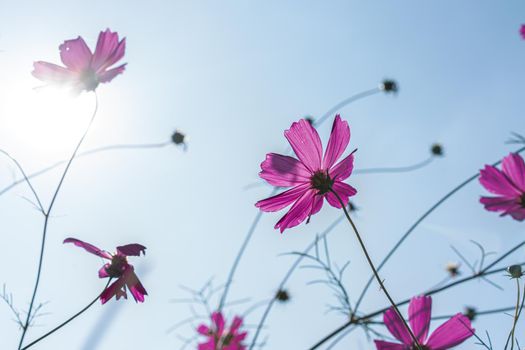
{"type": "Point", "coordinates": [396, 327]}
{"type": "Point", "coordinates": [52, 73]}
{"type": "Point", "coordinates": [282, 200]}
{"type": "Point", "coordinates": [514, 167]}
{"type": "Point", "coordinates": [518, 213]}
{"type": "Point", "coordinates": [339, 139]}
{"type": "Point", "coordinates": [114, 289]}
{"type": "Point", "coordinates": [498, 203]}
{"type": "Point", "coordinates": [299, 211]}
{"type": "Point", "coordinates": [102, 272]}
{"type": "Point", "coordinates": [522, 31]}
{"type": "Point", "coordinates": [283, 171]}
{"type": "Point", "coordinates": [89, 247]}
{"type": "Point", "coordinates": [419, 313]}
{"type": "Point", "coordinates": [218, 321]}
{"type": "Point", "coordinates": [135, 287]}
{"type": "Point", "coordinates": [496, 182]}
{"type": "Point", "coordinates": [342, 170]}
{"type": "Point", "coordinates": [75, 54]}
{"type": "Point", "coordinates": [108, 50]}
{"type": "Point", "coordinates": [317, 204]}
{"type": "Point", "coordinates": [384, 345]}
{"type": "Point", "coordinates": [306, 144]}
{"type": "Point", "coordinates": [343, 190]}
{"type": "Point", "coordinates": [451, 333]}
{"type": "Point", "coordinates": [107, 76]}
{"type": "Point", "coordinates": [133, 249]}
{"type": "Point", "coordinates": [203, 329]}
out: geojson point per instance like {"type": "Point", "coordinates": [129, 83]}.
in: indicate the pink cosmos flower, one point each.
{"type": "Point", "coordinates": [451, 333]}
{"type": "Point", "coordinates": [522, 31]}
{"type": "Point", "coordinates": [84, 70]}
{"type": "Point", "coordinates": [312, 177]}
{"type": "Point", "coordinates": [221, 338]}
{"type": "Point", "coordinates": [509, 186]}
{"type": "Point", "coordinates": [117, 268]}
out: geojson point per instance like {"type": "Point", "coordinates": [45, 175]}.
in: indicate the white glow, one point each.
{"type": "Point", "coordinates": [46, 121]}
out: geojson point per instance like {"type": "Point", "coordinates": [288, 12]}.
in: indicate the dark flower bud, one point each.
{"type": "Point", "coordinates": [178, 137]}
{"type": "Point", "coordinates": [515, 271]}
{"type": "Point", "coordinates": [309, 119]}
{"type": "Point", "coordinates": [389, 85]}
{"type": "Point", "coordinates": [453, 269]}
{"type": "Point", "coordinates": [470, 312]}
{"type": "Point", "coordinates": [282, 296]}
{"type": "Point", "coordinates": [436, 149]}
{"type": "Point", "coordinates": [351, 206]}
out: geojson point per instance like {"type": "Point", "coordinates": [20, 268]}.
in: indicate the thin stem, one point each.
{"type": "Point", "coordinates": [416, 224]}
{"type": "Point", "coordinates": [46, 222]}
{"type": "Point", "coordinates": [25, 179]}
{"type": "Point", "coordinates": [67, 321]}
{"type": "Point", "coordinates": [82, 154]}
{"type": "Point", "coordinates": [257, 218]}
{"type": "Point", "coordinates": [511, 337]}
{"type": "Point", "coordinates": [374, 270]}
{"type": "Point", "coordinates": [402, 169]}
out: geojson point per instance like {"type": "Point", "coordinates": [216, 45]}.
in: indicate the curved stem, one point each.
{"type": "Point", "coordinates": [374, 270]}
{"type": "Point", "coordinates": [511, 337]}
{"type": "Point", "coordinates": [46, 222]}
{"type": "Point", "coordinates": [416, 224]}
{"type": "Point", "coordinates": [25, 179]}
{"type": "Point", "coordinates": [402, 169]}
{"type": "Point", "coordinates": [68, 320]}
{"type": "Point", "coordinates": [82, 154]}
{"type": "Point", "coordinates": [250, 232]}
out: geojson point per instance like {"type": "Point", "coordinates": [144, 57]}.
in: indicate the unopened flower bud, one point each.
{"type": "Point", "coordinates": [453, 269]}
{"type": "Point", "coordinates": [436, 149]}
{"type": "Point", "coordinates": [389, 85]}
{"type": "Point", "coordinates": [470, 312]}
{"type": "Point", "coordinates": [282, 296]}
{"type": "Point", "coordinates": [515, 271]}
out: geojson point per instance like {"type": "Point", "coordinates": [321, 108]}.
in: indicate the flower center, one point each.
{"type": "Point", "coordinates": [89, 79]}
{"type": "Point", "coordinates": [117, 266]}
{"type": "Point", "coordinates": [423, 347]}
{"type": "Point", "coordinates": [321, 181]}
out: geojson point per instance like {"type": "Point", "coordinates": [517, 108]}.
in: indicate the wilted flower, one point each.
{"type": "Point", "coordinates": [470, 312]}
{"type": "Point", "coordinates": [451, 333]}
{"type": "Point", "coordinates": [515, 271]}
{"type": "Point", "coordinates": [389, 86]}
{"type": "Point", "coordinates": [453, 269]}
{"type": "Point", "coordinates": [220, 337]}
{"type": "Point", "coordinates": [282, 296]}
{"type": "Point", "coordinates": [118, 268]}
{"type": "Point", "coordinates": [84, 70]}
{"type": "Point", "coordinates": [312, 177]}
{"type": "Point", "coordinates": [509, 186]}
{"type": "Point", "coordinates": [436, 149]}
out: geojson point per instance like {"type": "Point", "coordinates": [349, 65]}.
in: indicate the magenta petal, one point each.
{"type": "Point", "coordinates": [114, 289]}
{"type": "Point", "coordinates": [339, 139]}
{"type": "Point", "coordinates": [218, 321]}
{"type": "Point", "coordinates": [135, 287]}
{"type": "Point", "coordinates": [498, 203]}
{"type": "Point", "coordinates": [419, 313]}
{"type": "Point", "coordinates": [284, 171]}
{"type": "Point", "coordinates": [88, 247]}
{"type": "Point", "coordinates": [343, 190]}
{"type": "Point", "coordinates": [108, 50]}
{"type": "Point", "coordinates": [514, 167]}
{"type": "Point", "coordinates": [522, 31]}
{"type": "Point", "coordinates": [396, 327]}
{"type": "Point", "coordinates": [451, 333]}
{"type": "Point", "coordinates": [496, 182]}
{"type": "Point", "coordinates": [203, 329]}
{"type": "Point", "coordinates": [52, 73]}
{"type": "Point", "coordinates": [342, 170]}
{"type": "Point", "coordinates": [75, 54]}
{"type": "Point", "coordinates": [306, 144]}
{"type": "Point", "coordinates": [518, 213]}
{"type": "Point", "coordinates": [317, 204]}
{"type": "Point", "coordinates": [133, 249]}
{"type": "Point", "coordinates": [299, 211]}
{"type": "Point", "coordinates": [282, 200]}
{"type": "Point", "coordinates": [108, 75]}
{"type": "Point", "coordinates": [102, 272]}
{"type": "Point", "coordinates": [384, 345]}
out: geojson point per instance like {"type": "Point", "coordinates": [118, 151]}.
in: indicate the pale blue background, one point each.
{"type": "Point", "coordinates": [234, 75]}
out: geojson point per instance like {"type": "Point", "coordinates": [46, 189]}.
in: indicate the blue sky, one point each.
{"type": "Point", "coordinates": [234, 75]}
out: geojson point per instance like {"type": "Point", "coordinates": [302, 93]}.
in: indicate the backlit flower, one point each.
{"type": "Point", "coordinates": [451, 333]}
{"type": "Point", "coordinates": [508, 184]}
{"type": "Point", "coordinates": [221, 337]}
{"type": "Point", "coordinates": [118, 268]}
{"type": "Point", "coordinates": [312, 176]}
{"type": "Point", "coordinates": [84, 70]}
